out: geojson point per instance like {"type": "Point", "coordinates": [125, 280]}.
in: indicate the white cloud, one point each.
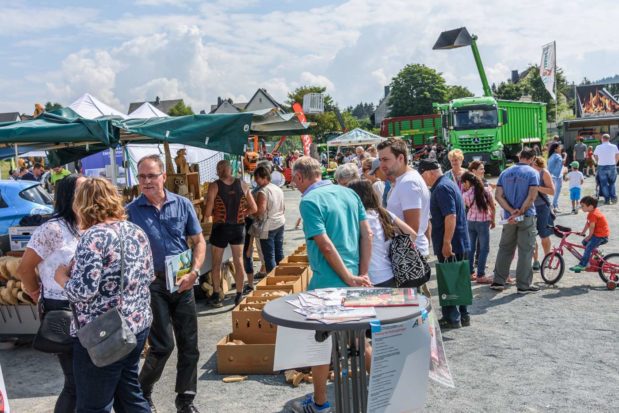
{"type": "Point", "coordinates": [381, 78]}
{"type": "Point", "coordinates": [317, 80]}
{"type": "Point", "coordinates": [16, 20]}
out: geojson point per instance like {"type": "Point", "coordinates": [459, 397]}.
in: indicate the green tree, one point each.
{"type": "Point", "coordinates": [180, 109]}
{"type": "Point", "coordinates": [414, 90]}
{"type": "Point", "coordinates": [511, 91]}
{"type": "Point", "coordinates": [457, 92]}
{"type": "Point", "coordinates": [49, 106]}
{"type": "Point", "coordinates": [361, 110]}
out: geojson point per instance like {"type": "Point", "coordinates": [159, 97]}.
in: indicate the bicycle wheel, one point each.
{"type": "Point", "coordinates": [552, 268]}
{"type": "Point", "coordinates": [609, 268]}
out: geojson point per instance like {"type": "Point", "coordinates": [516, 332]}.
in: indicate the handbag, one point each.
{"type": "Point", "coordinates": [53, 335]}
{"type": "Point", "coordinates": [108, 338]}
{"type": "Point", "coordinates": [454, 283]}
{"type": "Point", "coordinates": [410, 268]}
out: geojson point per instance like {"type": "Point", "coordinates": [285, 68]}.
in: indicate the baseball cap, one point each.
{"type": "Point", "coordinates": [375, 166]}
{"type": "Point", "coordinates": [574, 164]}
{"type": "Point", "coordinates": [426, 165]}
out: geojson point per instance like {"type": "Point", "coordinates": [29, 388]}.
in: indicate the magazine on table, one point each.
{"type": "Point", "coordinates": [381, 297]}
{"type": "Point", "coordinates": [176, 266]}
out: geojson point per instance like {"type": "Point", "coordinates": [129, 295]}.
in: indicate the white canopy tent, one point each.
{"type": "Point", "coordinates": [89, 107]}
{"type": "Point", "coordinates": [356, 137]}
{"type": "Point", "coordinates": [147, 111]}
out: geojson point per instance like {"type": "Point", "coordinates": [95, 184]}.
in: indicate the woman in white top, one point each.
{"type": "Point", "coordinates": [53, 244]}
{"type": "Point", "coordinates": [270, 220]}
{"type": "Point", "coordinates": [382, 224]}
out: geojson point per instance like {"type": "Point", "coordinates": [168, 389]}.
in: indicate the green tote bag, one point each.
{"type": "Point", "coordinates": [454, 283]}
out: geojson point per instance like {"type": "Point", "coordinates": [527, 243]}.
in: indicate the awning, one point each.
{"type": "Point", "coordinates": [356, 137]}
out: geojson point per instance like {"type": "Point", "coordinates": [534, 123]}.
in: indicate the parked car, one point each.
{"type": "Point", "coordinates": [22, 198]}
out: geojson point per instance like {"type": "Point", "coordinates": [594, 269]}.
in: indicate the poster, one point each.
{"type": "Point", "coordinates": [399, 376]}
{"type": "Point", "coordinates": [176, 266]}
{"type": "Point", "coordinates": [597, 100]}
{"type": "Point", "coordinates": [307, 351]}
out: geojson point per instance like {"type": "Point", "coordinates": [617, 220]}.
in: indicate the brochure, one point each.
{"type": "Point", "coordinates": [176, 266]}
{"type": "Point", "coordinates": [381, 297]}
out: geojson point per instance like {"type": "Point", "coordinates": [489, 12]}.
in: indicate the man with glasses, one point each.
{"type": "Point", "coordinates": [168, 219]}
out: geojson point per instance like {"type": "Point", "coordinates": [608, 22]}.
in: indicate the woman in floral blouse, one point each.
{"type": "Point", "coordinates": [93, 289]}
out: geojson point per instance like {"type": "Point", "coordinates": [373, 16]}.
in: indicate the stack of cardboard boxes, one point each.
{"type": "Point", "coordinates": [250, 348]}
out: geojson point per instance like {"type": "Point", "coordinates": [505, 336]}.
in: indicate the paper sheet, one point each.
{"type": "Point", "coordinates": [399, 376]}
{"type": "Point", "coordinates": [298, 348]}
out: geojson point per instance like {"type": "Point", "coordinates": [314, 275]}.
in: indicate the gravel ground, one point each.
{"type": "Point", "coordinates": [544, 352]}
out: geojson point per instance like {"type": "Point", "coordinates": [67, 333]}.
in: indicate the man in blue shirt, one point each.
{"type": "Point", "coordinates": [167, 219]}
{"type": "Point", "coordinates": [450, 234]}
{"type": "Point", "coordinates": [516, 191]}
{"type": "Point", "coordinates": [339, 247]}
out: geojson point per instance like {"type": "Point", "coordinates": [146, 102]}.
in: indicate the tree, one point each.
{"type": "Point", "coordinates": [361, 110]}
{"type": "Point", "coordinates": [511, 91]}
{"type": "Point", "coordinates": [180, 109]}
{"type": "Point", "coordinates": [457, 92]}
{"type": "Point", "coordinates": [414, 90]}
{"type": "Point", "coordinates": [49, 106]}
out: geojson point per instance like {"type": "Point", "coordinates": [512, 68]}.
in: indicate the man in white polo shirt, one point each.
{"type": "Point", "coordinates": [607, 155]}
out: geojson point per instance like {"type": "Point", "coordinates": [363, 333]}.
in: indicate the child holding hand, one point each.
{"type": "Point", "coordinates": [598, 228]}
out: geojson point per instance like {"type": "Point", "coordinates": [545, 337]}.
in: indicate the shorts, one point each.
{"type": "Point", "coordinates": [589, 162]}
{"type": "Point", "coordinates": [224, 234]}
{"type": "Point", "coordinates": [544, 218]}
{"type": "Point", "coordinates": [574, 194]}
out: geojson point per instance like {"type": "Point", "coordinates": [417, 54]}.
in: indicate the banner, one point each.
{"type": "Point", "coordinates": [548, 67]}
{"type": "Point", "coordinates": [306, 140]}
{"type": "Point", "coordinates": [597, 100]}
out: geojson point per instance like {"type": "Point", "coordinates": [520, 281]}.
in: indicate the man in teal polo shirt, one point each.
{"type": "Point", "coordinates": [339, 247]}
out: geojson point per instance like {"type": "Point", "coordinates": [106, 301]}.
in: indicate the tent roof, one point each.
{"type": "Point", "coordinates": [89, 107]}
{"type": "Point", "coordinates": [147, 111]}
{"type": "Point", "coordinates": [356, 136]}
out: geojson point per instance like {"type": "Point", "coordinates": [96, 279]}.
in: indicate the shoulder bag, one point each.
{"type": "Point", "coordinates": [410, 268]}
{"type": "Point", "coordinates": [108, 338]}
{"type": "Point", "coordinates": [53, 335]}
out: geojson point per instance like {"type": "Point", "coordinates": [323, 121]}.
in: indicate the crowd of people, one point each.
{"type": "Point", "coordinates": [95, 254]}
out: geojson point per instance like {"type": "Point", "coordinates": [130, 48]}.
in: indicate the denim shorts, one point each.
{"type": "Point", "coordinates": [544, 218]}
{"type": "Point", "coordinates": [575, 194]}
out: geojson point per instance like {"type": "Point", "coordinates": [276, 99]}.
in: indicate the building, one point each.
{"type": "Point", "coordinates": [383, 109]}
{"type": "Point", "coordinates": [10, 117]}
{"type": "Point", "coordinates": [259, 101]}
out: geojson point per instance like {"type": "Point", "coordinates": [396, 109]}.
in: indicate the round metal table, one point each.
{"type": "Point", "coordinates": [348, 338]}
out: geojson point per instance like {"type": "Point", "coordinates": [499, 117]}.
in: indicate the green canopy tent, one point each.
{"type": "Point", "coordinates": [69, 137]}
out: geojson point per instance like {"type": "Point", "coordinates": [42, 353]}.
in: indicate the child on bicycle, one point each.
{"type": "Point", "coordinates": [598, 228]}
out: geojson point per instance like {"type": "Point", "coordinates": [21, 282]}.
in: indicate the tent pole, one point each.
{"type": "Point", "coordinates": [113, 165]}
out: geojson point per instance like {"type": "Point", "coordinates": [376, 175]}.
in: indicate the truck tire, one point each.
{"type": "Point", "coordinates": [495, 168]}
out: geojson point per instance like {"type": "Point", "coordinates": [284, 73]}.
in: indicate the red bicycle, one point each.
{"type": "Point", "coordinates": [553, 264]}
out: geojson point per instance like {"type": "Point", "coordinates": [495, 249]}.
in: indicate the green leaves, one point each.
{"type": "Point", "coordinates": [414, 90]}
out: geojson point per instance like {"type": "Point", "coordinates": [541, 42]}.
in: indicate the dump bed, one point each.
{"type": "Point", "coordinates": [526, 122]}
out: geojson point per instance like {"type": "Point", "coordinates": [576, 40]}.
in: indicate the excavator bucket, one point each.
{"type": "Point", "coordinates": [452, 39]}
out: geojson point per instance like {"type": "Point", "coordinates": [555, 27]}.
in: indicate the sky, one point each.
{"type": "Point", "coordinates": [127, 51]}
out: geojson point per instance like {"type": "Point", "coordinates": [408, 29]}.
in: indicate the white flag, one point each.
{"type": "Point", "coordinates": [548, 67]}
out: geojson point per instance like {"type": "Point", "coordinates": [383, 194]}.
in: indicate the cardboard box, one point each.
{"type": "Point", "coordinates": [250, 326]}
{"type": "Point", "coordinates": [295, 259]}
{"type": "Point", "coordinates": [19, 237]}
{"type": "Point", "coordinates": [294, 282]}
{"type": "Point", "coordinates": [244, 358]}
{"type": "Point", "coordinates": [290, 269]}
{"type": "Point", "coordinates": [262, 296]}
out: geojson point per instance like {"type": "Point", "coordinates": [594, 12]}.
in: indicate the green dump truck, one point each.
{"type": "Point", "coordinates": [485, 128]}
{"type": "Point", "coordinates": [419, 130]}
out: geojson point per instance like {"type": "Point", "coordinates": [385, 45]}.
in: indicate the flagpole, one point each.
{"type": "Point", "coordinates": [556, 94]}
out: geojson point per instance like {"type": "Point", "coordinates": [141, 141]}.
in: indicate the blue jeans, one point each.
{"type": "Point", "coordinates": [453, 313]}
{"type": "Point", "coordinates": [100, 388]}
{"type": "Point", "coordinates": [558, 182]}
{"type": "Point", "coordinates": [479, 231]}
{"type": "Point", "coordinates": [273, 248]}
{"type": "Point", "coordinates": [607, 175]}
{"type": "Point", "coordinates": [593, 243]}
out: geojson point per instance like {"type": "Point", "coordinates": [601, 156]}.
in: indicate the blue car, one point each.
{"type": "Point", "coordinates": [19, 199]}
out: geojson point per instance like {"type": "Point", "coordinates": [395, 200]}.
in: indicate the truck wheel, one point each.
{"type": "Point", "coordinates": [496, 168]}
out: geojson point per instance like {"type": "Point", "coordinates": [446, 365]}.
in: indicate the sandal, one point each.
{"type": "Point", "coordinates": [510, 281]}
{"type": "Point", "coordinates": [474, 276]}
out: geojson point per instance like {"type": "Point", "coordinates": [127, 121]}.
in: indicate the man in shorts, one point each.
{"type": "Point", "coordinates": [228, 201]}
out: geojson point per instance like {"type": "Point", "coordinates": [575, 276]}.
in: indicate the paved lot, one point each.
{"type": "Point", "coordinates": [553, 351]}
